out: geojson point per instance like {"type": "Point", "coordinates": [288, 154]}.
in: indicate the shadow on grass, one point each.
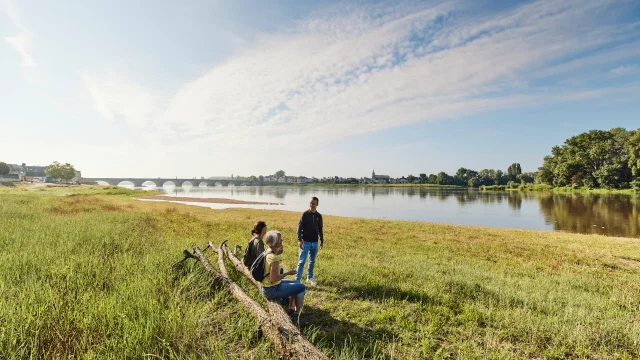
{"type": "Point", "coordinates": [341, 339]}
{"type": "Point", "coordinates": [451, 294]}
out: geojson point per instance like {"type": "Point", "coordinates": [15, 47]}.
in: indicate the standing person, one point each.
{"type": "Point", "coordinates": [309, 232]}
{"type": "Point", "coordinates": [255, 246]}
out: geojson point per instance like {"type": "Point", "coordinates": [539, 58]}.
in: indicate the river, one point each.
{"type": "Point", "coordinates": [616, 215]}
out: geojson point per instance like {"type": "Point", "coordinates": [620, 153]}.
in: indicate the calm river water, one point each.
{"type": "Point", "coordinates": [617, 215]}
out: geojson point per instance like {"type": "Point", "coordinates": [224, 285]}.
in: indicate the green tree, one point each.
{"type": "Point", "coordinates": [633, 148]}
{"type": "Point", "coordinates": [487, 176]}
{"type": "Point", "coordinates": [499, 178]}
{"type": "Point", "coordinates": [474, 182]}
{"type": "Point", "coordinates": [443, 178]}
{"type": "Point", "coordinates": [597, 158]}
{"type": "Point", "coordinates": [410, 179]}
{"type": "Point", "coordinates": [4, 169]}
{"type": "Point", "coordinates": [279, 174]}
{"type": "Point", "coordinates": [61, 172]}
{"type": "Point", "coordinates": [514, 171]}
{"type": "Point", "coordinates": [463, 176]}
{"type": "Point", "coordinates": [432, 179]}
{"type": "Point", "coordinates": [423, 178]}
{"type": "Point", "coordinates": [261, 179]}
{"type": "Point", "coordinates": [526, 178]}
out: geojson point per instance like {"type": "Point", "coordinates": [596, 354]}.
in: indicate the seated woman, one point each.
{"type": "Point", "coordinates": [255, 246]}
{"type": "Point", "coordinates": [273, 285]}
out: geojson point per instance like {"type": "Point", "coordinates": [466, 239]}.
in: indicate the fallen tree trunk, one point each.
{"type": "Point", "coordinates": [275, 325]}
{"type": "Point", "coordinates": [275, 310]}
{"type": "Point", "coordinates": [269, 327]}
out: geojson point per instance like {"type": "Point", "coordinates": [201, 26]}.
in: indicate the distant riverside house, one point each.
{"type": "Point", "coordinates": [302, 179]}
{"type": "Point", "coordinates": [24, 171]}
{"type": "Point", "coordinates": [402, 181]}
{"type": "Point", "coordinates": [282, 179]}
{"type": "Point", "coordinates": [15, 171]}
{"type": "Point", "coordinates": [380, 179]}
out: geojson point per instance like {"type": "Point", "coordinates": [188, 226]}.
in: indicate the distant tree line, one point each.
{"type": "Point", "coordinates": [594, 159]}
{"type": "Point", "coordinates": [607, 159]}
{"type": "Point", "coordinates": [473, 178]}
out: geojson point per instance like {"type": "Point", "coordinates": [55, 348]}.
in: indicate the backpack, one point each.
{"type": "Point", "coordinates": [246, 254]}
{"type": "Point", "coordinates": [257, 268]}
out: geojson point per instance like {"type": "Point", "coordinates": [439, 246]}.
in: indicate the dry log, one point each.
{"type": "Point", "coordinates": [302, 345]}
{"type": "Point", "coordinates": [269, 327]}
{"type": "Point", "coordinates": [237, 263]}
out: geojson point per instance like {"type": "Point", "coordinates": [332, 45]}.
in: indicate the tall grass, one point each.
{"type": "Point", "coordinates": [88, 276]}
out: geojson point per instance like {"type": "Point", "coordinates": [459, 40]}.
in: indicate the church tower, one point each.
{"type": "Point", "coordinates": [373, 177]}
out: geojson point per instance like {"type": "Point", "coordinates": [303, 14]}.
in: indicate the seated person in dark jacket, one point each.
{"type": "Point", "coordinates": [255, 246]}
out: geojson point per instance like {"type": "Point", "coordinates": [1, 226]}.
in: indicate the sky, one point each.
{"type": "Point", "coordinates": [323, 88]}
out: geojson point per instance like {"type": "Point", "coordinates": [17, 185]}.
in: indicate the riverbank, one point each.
{"type": "Point", "coordinates": [518, 187]}
{"type": "Point", "coordinates": [206, 200]}
{"type": "Point", "coordinates": [561, 189]}
{"type": "Point", "coordinates": [86, 272]}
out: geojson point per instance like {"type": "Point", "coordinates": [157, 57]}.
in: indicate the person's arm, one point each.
{"type": "Point", "coordinates": [274, 272]}
{"type": "Point", "coordinates": [300, 226]}
{"type": "Point", "coordinates": [320, 233]}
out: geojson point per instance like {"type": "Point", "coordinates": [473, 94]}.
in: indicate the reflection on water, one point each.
{"type": "Point", "coordinates": [609, 214]}
{"type": "Point", "coordinates": [599, 214]}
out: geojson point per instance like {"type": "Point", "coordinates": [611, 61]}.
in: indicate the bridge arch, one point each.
{"type": "Point", "coordinates": [126, 183]}
{"type": "Point", "coordinates": [149, 184]}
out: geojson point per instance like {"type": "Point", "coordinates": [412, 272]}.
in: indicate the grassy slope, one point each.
{"type": "Point", "coordinates": [88, 276]}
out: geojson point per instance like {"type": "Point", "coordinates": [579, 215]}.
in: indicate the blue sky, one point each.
{"type": "Point", "coordinates": [202, 88]}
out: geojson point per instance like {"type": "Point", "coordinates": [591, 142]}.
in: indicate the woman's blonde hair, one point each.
{"type": "Point", "coordinates": [272, 237]}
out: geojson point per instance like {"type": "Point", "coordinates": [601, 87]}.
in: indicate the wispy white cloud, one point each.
{"type": "Point", "coordinates": [21, 40]}
{"type": "Point", "coordinates": [625, 70]}
{"type": "Point", "coordinates": [358, 70]}
{"type": "Point", "coordinates": [115, 96]}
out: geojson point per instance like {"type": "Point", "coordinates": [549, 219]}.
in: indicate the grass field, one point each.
{"type": "Point", "coordinates": [85, 273]}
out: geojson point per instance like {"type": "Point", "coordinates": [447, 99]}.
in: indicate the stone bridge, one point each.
{"type": "Point", "coordinates": [159, 182]}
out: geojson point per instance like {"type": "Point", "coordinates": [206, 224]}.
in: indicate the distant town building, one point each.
{"type": "Point", "coordinates": [379, 179]}
{"type": "Point", "coordinates": [30, 173]}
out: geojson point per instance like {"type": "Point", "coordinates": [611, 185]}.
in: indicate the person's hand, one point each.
{"type": "Point", "coordinates": [321, 245]}
{"type": "Point", "coordinates": [300, 244]}
{"type": "Point", "coordinates": [292, 272]}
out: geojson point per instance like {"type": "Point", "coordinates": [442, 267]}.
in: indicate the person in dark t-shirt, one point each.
{"type": "Point", "coordinates": [310, 240]}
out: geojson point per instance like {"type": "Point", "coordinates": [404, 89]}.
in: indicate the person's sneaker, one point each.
{"type": "Point", "coordinates": [293, 315]}
{"type": "Point", "coordinates": [312, 282]}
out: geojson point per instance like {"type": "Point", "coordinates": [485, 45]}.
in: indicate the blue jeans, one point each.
{"type": "Point", "coordinates": [308, 248]}
{"type": "Point", "coordinates": [285, 289]}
